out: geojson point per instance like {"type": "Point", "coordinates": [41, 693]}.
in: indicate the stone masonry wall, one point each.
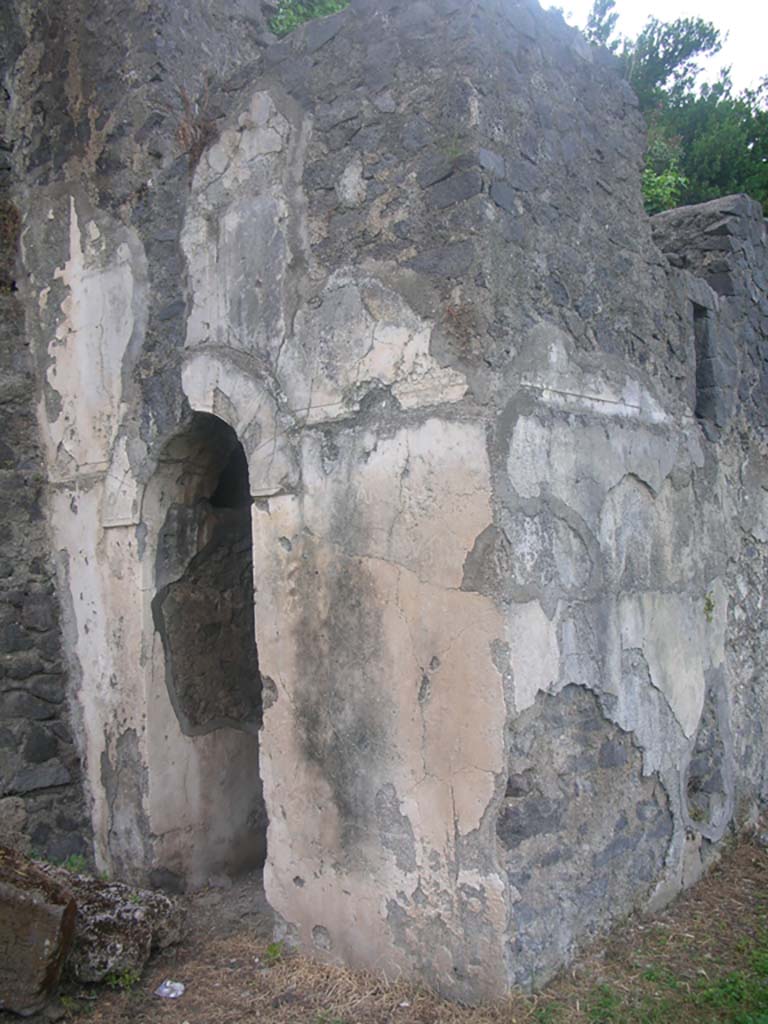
{"type": "Point", "coordinates": [506, 457]}
{"type": "Point", "coordinates": [41, 797]}
{"type": "Point", "coordinates": [725, 243]}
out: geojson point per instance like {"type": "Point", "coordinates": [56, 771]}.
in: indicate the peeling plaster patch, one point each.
{"type": "Point", "coordinates": [534, 652]}
{"type": "Point", "coordinates": [561, 382]}
{"type": "Point", "coordinates": [122, 491]}
{"type": "Point", "coordinates": [715, 609]}
{"type": "Point", "coordinates": [417, 499]}
{"type": "Point", "coordinates": [647, 536]}
{"type": "Point", "coordinates": [103, 311]}
{"type": "Point", "coordinates": [236, 281]}
{"type": "Point", "coordinates": [578, 462]}
{"type": "Point", "coordinates": [262, 131]}
{"type": "Point", "coordinates": [124, 778]}
{"type": "Point", "coordinates": [97, 570]}
{"type": "Point", "coordinates": [532, 554]}
{"type": "Point", "coordinates": [235, 235]}
{"type": "Point", "coordinates": [211, 380]}
{"type": "Point", "coordinates": [361, 335]}
{"type": "Point", "coordinates": [395, 829]}
{"type": "Point", "coordinates": [668, 628]}
{"type": "Point", "coordinates": [370, 510]}
{"type": "Point", "coordinates": [350, 188]}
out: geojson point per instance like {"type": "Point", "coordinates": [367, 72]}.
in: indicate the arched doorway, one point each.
{"type": "Point", "coordinates": [209, 788]}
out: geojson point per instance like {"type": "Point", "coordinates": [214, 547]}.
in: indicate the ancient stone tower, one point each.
{"type": "Point", "coordinates": [383, 494]}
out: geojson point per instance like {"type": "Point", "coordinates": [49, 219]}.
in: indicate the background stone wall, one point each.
{"type": "Point", "coordinates": [725, 243]}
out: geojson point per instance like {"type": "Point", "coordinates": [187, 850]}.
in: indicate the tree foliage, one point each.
{"type": "Point", "coordinates": [601, 25]}
{"type": "Point", "coordinates": [702, 142]}
{"type": "Point", "coordinates": [663, 181]}
{"type": "Point", "coordinates": [662, 62]}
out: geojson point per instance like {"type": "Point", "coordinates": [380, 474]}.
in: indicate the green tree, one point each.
{"type": "Point", "coordinates": [662, 63]}
{"type": "Point", "coordinates": [723, 141]}
{"type": "Point", "coordinates": [702, 143]}
{"type": "Point", "coordinates": [601, 24]}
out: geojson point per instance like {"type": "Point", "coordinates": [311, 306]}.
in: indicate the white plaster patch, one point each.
{"type": "Point", "coordinates": [669, 629]}
{"type": "Point", "coordinates": [534, 652]}
{"type": "Point", "coordinates": [229, 162]}
{"type": "Point", "coordinates": [399, 514]}
{"type": "Point", "coordinates": [236, 277]}
{"type": "Point", "coordinates": [99, 570]}
{"type": "Point", "coordinates": [444, 757]}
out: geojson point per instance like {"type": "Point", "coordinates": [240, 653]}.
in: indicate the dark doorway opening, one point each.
{"type": "Point", "coordinates": [203, 611]}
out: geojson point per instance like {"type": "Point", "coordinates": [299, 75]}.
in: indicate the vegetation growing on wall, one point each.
{"type": "Point", "coordinates": [703, 141]}
{"type": "Point", "coordinates": [292, 13]}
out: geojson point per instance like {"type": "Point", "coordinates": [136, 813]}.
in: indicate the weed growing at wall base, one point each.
{"type": "Point", "coordinates": [292, 13]}
{"type": "Point", "coordinates": [274, 953]}
{"type": "Point", "coordinates": [123, 981]}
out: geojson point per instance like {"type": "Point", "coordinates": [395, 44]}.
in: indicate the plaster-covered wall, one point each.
{"type": "Point", "coordinates": [507, 469]}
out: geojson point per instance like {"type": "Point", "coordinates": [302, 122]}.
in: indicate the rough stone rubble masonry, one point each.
{"type": "Point", "coordinates": [383, 494]}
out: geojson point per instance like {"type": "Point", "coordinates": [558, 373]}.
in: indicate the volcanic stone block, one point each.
{"type": "Point", "coordinates": [37, 927]}
{"type": "Point", "coordinates": [117, 926]}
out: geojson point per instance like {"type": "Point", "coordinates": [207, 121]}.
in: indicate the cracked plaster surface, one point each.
{"type": "Point", "coordinates": [424, 675]}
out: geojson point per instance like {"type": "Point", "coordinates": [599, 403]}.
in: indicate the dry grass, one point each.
{"type": "Point", "coordinates": [648, 972]}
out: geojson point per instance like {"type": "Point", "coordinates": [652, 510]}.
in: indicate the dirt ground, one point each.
{"type": "Point", "coordinates": [704, 959]}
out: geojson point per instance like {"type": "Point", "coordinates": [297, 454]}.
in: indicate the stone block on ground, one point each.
{"type": "Point", "coordinates": [37, 927]}
{"type": "Point", "coordinates": [118, 926]}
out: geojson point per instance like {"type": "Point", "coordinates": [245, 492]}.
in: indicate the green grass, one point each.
{"type": "Point", "coordinates": [605, 1006]}
{"type": "Point", "coordinates": [552, 1014]}
{"type": "Point", "coordinates": [663, 997]}
{"type": "Point", "coordinates": [76, 862]}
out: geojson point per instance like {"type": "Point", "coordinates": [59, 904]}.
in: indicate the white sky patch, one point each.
{"type": "Point", "coordinates": [745, 22]}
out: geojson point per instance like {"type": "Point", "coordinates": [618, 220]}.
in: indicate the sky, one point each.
{"type": "Point", "coordinates": [745, 21]}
